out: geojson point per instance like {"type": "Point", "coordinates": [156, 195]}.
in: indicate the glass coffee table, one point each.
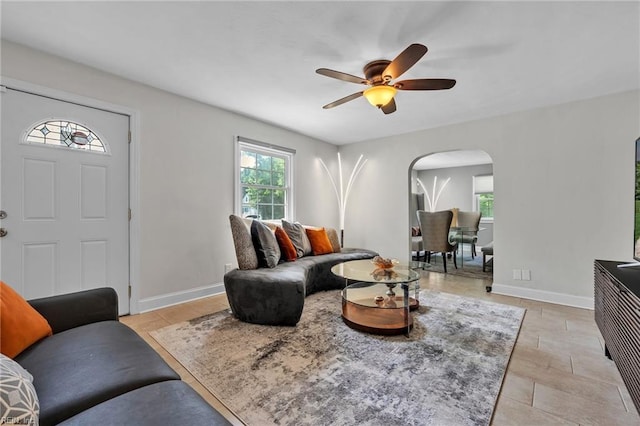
{"type": "Point", "coordinates": [377, 300]}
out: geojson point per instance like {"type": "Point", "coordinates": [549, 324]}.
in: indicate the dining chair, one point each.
{"type": "Point", "coordinates": [469, 220]}
{"type": "Point", "coordinates": [435, 235]}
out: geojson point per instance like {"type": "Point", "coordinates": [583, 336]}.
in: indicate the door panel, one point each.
{"type": "Point", "coordinates": [67, 208]}
{"type": "Point", "coordinates": [39, 193]}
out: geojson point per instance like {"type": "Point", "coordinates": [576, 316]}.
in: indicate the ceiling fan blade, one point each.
{"type": "Point", "coordinates": [425, 84]}
{"type": "Point", "coordinates": [390, 107]}
{"type": "Point", "coordinates": [343, 100]}
{"type": "Point", "coordinates": [341, 76]}
{"type": "Point", "coordinates": [405, 60]}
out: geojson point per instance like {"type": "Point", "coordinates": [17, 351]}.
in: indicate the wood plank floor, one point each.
{"type": "Point", "coordinates": [558, 374]}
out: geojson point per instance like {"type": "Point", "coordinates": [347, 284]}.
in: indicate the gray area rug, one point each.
{"type": "Point", "coordinates": [447, 372]}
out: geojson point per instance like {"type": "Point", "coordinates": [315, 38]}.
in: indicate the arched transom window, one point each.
{"type": "Point", "coordinates": [66, 134]}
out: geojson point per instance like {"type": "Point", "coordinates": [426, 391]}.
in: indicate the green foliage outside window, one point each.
{"type": "Point", "coordinates": [485, 204]}
{"type": "Point", "coordinates": [263, 185]}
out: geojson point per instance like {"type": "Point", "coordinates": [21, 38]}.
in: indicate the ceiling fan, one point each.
{"type": "Point", "coordinates": [379, 75]}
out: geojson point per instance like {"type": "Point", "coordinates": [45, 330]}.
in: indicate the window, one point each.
{"type": "Point", "coordinates": [264, 176]}
{"type": "Point", "coordinates": [65, 134]}
{"type": "Point", "coordinates": [483, 195]}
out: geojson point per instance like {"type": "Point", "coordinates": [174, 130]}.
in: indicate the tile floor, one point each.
{"type": "Point", "coordinates": [558, 374]}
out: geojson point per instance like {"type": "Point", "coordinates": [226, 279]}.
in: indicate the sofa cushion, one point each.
{"type": "Point", "coordinates": [245, 252]}
{"type": "Point", "coordinates": [18, 398]}
{"type": "Point", "coordinates": [298, 236]}
{"type": "Point", "coordinates": [287, 249]}
{"type": "Point", "coordinates": [266, 245]}
{"type": "Point", "coordinates": [20, 324]}
{"type": "Point", "coordinates": [84, 366]}
{"type": "Point", "coordinates": [320, 243]}
{"type": "Point", "coordinates": [167, 403]}
{"type": "Point", "coordinates": [334, 239]}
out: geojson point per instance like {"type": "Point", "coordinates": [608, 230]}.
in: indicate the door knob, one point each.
{"type": "Point", "coordinates": [3, 214]}
{"type": "Point", "coordinates": [3, 232]}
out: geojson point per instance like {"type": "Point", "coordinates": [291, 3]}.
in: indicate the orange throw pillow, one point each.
{"type": "Point", "coordinates": [320, 243]}
{"type": "Point", "coordinates": [287, 249]}
{"type": "Point", "coordinates": [20, 324]}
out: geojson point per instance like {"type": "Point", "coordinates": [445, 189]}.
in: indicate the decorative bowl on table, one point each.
{"type": "Point", "coordinates": [384, 263]}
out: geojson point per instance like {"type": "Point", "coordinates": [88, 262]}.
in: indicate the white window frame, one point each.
{"type": "Point", "coordinates": [485, 187]}
{"type": "Point", "coordinates": [267, 149]}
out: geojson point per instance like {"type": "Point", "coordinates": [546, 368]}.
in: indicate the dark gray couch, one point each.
{"type": "Point", "coordinates": [96, 370]}
{"type": "Point", "coordinates": [275, 296]}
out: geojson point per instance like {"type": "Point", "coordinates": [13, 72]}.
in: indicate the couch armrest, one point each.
{"type": "Point", "coordinates": [66, 311]}
{"type": "Point", "coordinates": [267, 296]}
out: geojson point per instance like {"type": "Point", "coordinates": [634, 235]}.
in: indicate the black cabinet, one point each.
{"type": "Point", "coordinates": [617, 313]}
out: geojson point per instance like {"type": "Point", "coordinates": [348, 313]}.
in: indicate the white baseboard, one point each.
{"type": "Point", "coordinates": [157, 302]}
{"type": "Point", "coordinates": [544, 296]}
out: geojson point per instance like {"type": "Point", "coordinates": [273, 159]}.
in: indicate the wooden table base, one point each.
{"type": "Point", "coordinates": [377, 320]}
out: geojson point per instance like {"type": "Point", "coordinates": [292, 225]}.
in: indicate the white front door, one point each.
{"type": "Point", "coordinates": [66, 201]}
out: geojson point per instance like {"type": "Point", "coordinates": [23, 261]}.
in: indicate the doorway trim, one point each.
{"type": "Point", "coordinates": [134, 167]}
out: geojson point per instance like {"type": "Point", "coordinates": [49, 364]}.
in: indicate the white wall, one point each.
{"type": "Point", "coordinates": [577, 158]}
{"type": "Point", "coordinates": [459, 190]}
{"type": "Point", "coordinates": [186, 157]}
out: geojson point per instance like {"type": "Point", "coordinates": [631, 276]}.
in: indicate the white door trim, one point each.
{"type": "Point", "coordinates": [134, 169]}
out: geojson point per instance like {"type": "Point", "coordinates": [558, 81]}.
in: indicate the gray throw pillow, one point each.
{"type": "Point", "coordinates": [245, 252]}
{"type": "Point", "coordinates": [334, 239]}
{"type": "Point", "coordinates": [267, 248]}
{"type": "Point", "coordinates": [298, 237]}
{"type": "Point", "coordinates": [18, 399]}
{"type": "Point", "coordinates": [306, 243]}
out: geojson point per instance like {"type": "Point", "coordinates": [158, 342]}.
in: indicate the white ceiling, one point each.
{"type": "Point", "coordinates": [259, 58]}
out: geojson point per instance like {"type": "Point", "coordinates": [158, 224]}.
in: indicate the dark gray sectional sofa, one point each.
{"type": "Point", "coordinates": [95, 370]}
{"type": "Point", "coordinates": [275, 296]}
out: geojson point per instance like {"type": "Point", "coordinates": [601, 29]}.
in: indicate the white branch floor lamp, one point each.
{"type": "Point", "coordinates": [342, 194]}
{"type": "Point", "coordinates": [433, 200]}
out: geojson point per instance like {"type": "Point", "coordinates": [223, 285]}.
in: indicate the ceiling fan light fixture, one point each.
{"type": "Point", "coordinates": [379, 96]}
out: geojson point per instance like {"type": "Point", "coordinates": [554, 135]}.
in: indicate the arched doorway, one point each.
{"type": "Point", "coordinates": [459, 180]}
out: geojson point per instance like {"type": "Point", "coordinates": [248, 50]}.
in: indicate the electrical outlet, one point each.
{"type": "Point", "coordinates": [227, 267]}
{"type": "Point", "coordinates": [526, 274]}
{"type": "Point", "coordinates": [517, 274]}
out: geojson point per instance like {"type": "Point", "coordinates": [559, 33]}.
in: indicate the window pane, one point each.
{"type": "Point", "coordinates": [485, 204]}
{"type": "Point", "coordinates": [278, 196]}
{"type": "Point", "coordinates": [65, 134]}
{"type": "Point", "coordinates": [265, 211]}
{"type": "Point", "coordinates": [278, 212]}
{"type": "Point", "coordinates": [278, 164]}
{"type": "Point", "coordinates": [247, 176]}
{"type": "Point", "coordinates": [265, 196]}
{"type": "Point", "coordinates": [249, 195]}
{"type": "Point", "coordinates": [263, 178]}
{"type": "Point", "coordinates": [248, 159]}
{"type": "Point", "coordinates": [264, 162]}
{"type": "Point", "coordinates": [249, 211]}
{"type": "Point", "coordinates": [278, 179]}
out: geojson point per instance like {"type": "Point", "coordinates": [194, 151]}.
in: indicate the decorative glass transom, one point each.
{"type": "Point", "coordinates": [65, 134]}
